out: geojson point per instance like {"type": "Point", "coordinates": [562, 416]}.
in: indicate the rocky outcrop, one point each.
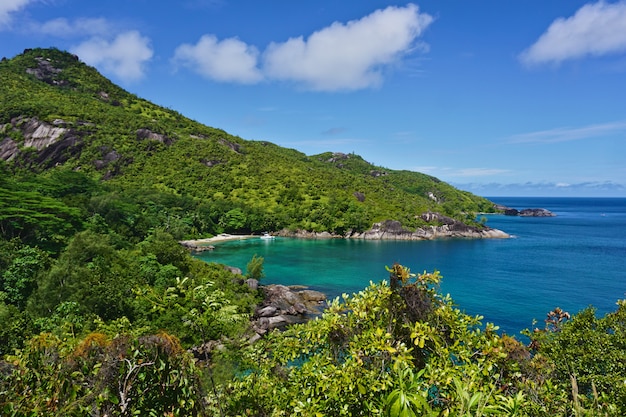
{"type": "Point", "coordinates": [54, 142]}
{"type": "Point", "coordinates": [285, 305]}
{"type": "Point", "coordinates": [8, 149]}
{"type": "Point", "coordinates": [48, 73]}
{"type": "Point", "coordinates": [147, 134]}
{"type": "Point", "coordinates": [536, 212]}
{"type": "Point", "coordinates": [305, 234]}
{"type": "Point", "coordinates": [529, 212]}
{"type": "Point", "coordinates": [442, 227]}
{"type": "Point", "coordinates": [235, 147]}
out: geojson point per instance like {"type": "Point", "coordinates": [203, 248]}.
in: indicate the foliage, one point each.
{"type": "Point", "coordinates": [91, 273]}
{"type": "Point", "coordinates": [99, 302]}
{"type": "Point", "coordinates": [167, 171]}
{"type": "Point", "coordinates": [117, 376]}
{"type": "Point", "coordinates": [586, 354]}
{"type": "Point", "coordinates": [194, 309]}
{"type": "Point", "coordinates": [254, 268]}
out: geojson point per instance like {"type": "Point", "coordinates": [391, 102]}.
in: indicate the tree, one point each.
{"type": "Point", "coordinates": [103, 375]}
{"type": "Point", "coordinates": [19, 279]}
{"type": "Point", "coordinates": [254, 268]}
{"type": "Point", "coordinates": [91, 273]}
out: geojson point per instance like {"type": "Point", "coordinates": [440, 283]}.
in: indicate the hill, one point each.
{"type": "Point", "coordinates": [103, 312]}
{"type": "Point", "coordinates": [59, 115]}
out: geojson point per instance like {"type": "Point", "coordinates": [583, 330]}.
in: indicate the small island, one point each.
{"type": "Point", "coordinates": [528, 212]}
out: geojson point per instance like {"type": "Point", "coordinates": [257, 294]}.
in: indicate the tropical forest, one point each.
{"type": "Point", "coordinates": [104, 313]}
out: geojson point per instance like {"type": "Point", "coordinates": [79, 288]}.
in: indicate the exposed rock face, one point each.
{"type": "Point", "coordinates": [108, 157]}
{"type": "Point", "coordinates": [445, 227]}
{"type": "Point", "coordinates": [235, 147]}
{"type": "Point", "coordinates": [359, 196]}
{"type": "Point", "coordinates": [47, 72]}
{"type": "Point", "coordinates": [8, 149]}
{"type": "Point", "coordinates": [147, 134]}
{"type": "Point", "coordinates": [55, 143]}
{"type": "Point", "coordinates": [286, 305]}
{"type": "Point", "coordinates": [536, 212]}
{"type": "Point", "coordinates": [305, 234]}
{"type": "Point", "coordinates": [529, 212]}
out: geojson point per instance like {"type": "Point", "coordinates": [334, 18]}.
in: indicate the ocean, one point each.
{"type": "Point", "coordinates": [574, 260]}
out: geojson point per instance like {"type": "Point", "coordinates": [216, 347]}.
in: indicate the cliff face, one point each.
{"type": "Point", "coordinates": [54, 143]}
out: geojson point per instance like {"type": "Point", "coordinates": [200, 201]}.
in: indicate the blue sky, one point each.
{"type": "Point", "coordinates": [495, 97]}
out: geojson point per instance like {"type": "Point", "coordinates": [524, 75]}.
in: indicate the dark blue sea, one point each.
{"type": "Point", "coordinates": [574, 260]}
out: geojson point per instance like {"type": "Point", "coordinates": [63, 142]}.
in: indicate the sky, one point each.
{"type": "Point", "coordinates": [500, 98]}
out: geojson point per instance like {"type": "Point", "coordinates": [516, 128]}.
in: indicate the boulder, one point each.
{"type": "Point", "coordinates": [285, 305]}
{"type": "Point", "coordinates": [443, 227]}
{"type": "Point", "coordinates": [311, 295]}
{"type": "Point", "coordinates": [536, 212]}
{"type": "Point", "coordinates": [147, 134]}
{"type": "Point", "coordinates": [529, 212]}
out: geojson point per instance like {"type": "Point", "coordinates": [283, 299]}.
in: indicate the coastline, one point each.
{"type": "Point", "coordinates": [200, 245]}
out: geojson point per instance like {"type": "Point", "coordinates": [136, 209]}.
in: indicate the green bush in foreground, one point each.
{"type": "Point", "coordinates": [397, 348]}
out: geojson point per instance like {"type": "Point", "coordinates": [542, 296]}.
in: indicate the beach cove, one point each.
{"type": "Point", "coordinates": [573, 260]}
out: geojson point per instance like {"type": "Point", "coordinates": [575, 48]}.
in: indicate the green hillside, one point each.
{"type": "Point", "coordinates": [205, 179]}
{"type": "Point", "coordinates": [104, 313]}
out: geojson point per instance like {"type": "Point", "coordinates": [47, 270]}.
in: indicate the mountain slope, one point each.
{"type": "Point", "coordinates": [59, 114]}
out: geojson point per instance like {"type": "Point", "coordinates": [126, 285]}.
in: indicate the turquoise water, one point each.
{"type": "Point", "coordinates": [571, 261]}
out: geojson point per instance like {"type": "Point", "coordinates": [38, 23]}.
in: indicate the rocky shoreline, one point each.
{"type": "Point", "coordinates": [529, 212]}
{"type": "Point", "coordinates": [444, 227]}
{"type": "Point", "coordinates": [284, 305]}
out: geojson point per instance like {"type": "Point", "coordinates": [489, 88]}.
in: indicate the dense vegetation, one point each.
{"type": "Point", "coordinates": [102, 312]}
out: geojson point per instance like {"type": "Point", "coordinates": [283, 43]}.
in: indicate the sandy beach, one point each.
{"type": "Point", "coordinates": [223, 237]}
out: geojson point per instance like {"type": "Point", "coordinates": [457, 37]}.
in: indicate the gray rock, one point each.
{"type": "Point", "coordinates": [311, 295]}
{"type": "Point", "coordinates": [267, 311]}
{"type": "Point", "coordinates": [536, 212]}
{"type": "Point", "coordinates": [147, 134]}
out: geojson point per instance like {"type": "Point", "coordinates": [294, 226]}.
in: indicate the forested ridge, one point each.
{"type": "Point", "coordinates": [103, 312]}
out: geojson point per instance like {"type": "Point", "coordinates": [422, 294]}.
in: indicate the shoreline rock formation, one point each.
{"type": "Point", "coordinates": [529, 212]}
{"type": "Point", "coordinates": [284, 305]}
{"type": "Point", "coordinates": [442, 227]}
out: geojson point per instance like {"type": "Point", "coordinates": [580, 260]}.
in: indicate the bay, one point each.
{"type": "Point", "coordinates": [572, 261]}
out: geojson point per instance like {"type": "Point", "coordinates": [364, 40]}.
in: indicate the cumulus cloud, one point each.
{"type": "Point", "coordinates": [228, 60]}
{"type": "Point", "coordinates": [125, 56]}
{"type": "Point", "coordinates": [595, 30]}
{"type": "Point", "coordinates": [566, 134]}
{"type": "Point", "coordinates": [348, 56]}
{"type": "Point", "coordinates": [341, 56]}
{"type": "Point", "coordinates": [8, 7]}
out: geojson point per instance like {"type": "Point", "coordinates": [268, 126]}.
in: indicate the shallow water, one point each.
{"type": "Point", "coordinates": [571, 261]}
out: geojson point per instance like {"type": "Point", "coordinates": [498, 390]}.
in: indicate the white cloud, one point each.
{"type": "Point", "coordinates": [64, 28]}
{"type": "Point", "coordinates": [566, 134]}
{"type": "Point", "coordinates": [125, 56]}
{"type": "Point", "coordinates": [339, 57]}
{"type": "Point", "coordinates": [348, 56]}
{"type": "Point", "coordinates": [7, 7]}
{"type": "Point", "coordinates": [595, 30]}
{"type": "Point", "coordinates": [228, 60]}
